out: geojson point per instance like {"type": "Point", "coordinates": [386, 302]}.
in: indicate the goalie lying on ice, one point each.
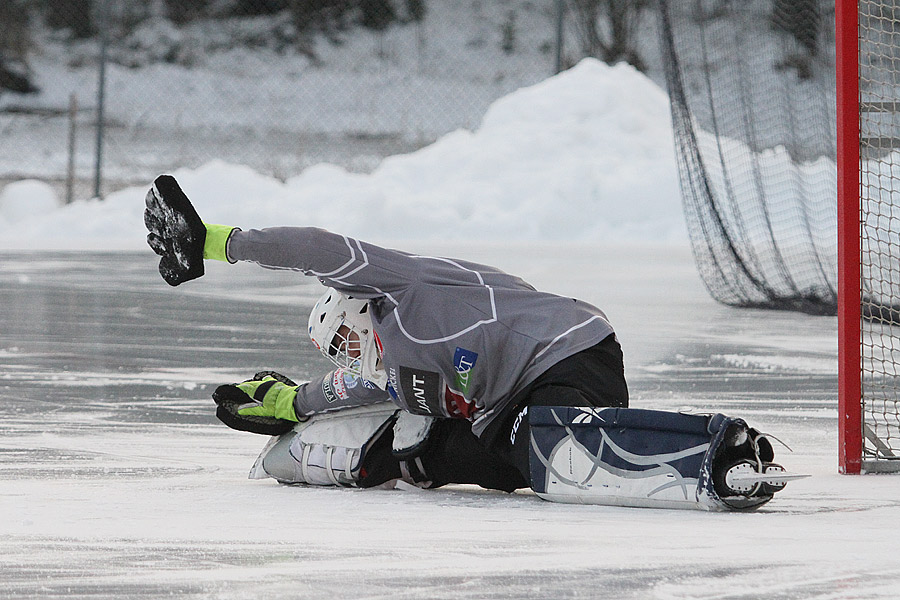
{"type": "Point", "coordinates": [472, 357]}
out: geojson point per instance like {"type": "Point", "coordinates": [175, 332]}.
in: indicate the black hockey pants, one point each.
{"type": "Point", "coordinates": [499, 460]}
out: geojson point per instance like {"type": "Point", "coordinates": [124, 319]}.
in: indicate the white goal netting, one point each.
{"type": "Point", "coordinates": [879, 121]}
{"type": "Point", "coordinates": [753, 92]}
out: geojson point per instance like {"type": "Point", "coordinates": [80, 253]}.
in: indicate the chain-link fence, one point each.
{"type": "Point", "coordinates": [112, 92]}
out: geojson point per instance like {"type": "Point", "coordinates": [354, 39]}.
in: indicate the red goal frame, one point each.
{"type": "Point", "coordinates": [868, 211]}
{"type": "Point", "coordinates": [850, 427]}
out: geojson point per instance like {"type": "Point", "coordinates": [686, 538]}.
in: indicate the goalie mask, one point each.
{"type": "Point", "coordinates": [340, 326]}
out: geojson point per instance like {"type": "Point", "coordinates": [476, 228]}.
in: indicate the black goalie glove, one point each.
{"type": "Point", "coordinates": [176, 232]}
{"type": "Point", "coordinates": [263, 404]}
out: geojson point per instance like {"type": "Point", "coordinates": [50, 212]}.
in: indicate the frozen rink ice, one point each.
{"type": "Point", "coordinates": [116, 481]}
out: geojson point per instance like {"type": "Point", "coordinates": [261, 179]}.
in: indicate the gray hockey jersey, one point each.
{"type": "Point", "coordinates": [458, 339]}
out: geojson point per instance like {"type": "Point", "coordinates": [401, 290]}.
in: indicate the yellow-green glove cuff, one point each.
{"type": "Point", "coordinates": [277, 399]}
{"type": "Point", "coordinates": [216, 244]}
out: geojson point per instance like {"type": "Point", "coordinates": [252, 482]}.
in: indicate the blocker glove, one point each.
{"type": "Point", "coordinates": [178, 235]}
{"type": "Point", "coordinates": [264, 404]}
{"type": "Point", "coordinates": [176, 232]}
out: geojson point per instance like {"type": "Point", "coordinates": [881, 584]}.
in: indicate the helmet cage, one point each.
{"type": "Point", "coordinates": [345, 348]}
{"type": "Point", "coordinates": [341, 328]}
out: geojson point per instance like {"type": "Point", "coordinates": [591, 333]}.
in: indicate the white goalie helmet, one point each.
{"type": "Point", "coordinates": [340, 326]}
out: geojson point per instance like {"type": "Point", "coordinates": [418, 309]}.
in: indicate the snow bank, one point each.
{"type": "Point", "coordinates": [21, 200]}
{"type": "Point", "coordinates": [584, 156]}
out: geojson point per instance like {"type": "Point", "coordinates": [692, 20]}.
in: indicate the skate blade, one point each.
{"type": "Point", "coordinates": [769, 478]}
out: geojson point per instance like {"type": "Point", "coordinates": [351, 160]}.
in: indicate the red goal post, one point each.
{"type": "Point", "coordinates": [868, 163]}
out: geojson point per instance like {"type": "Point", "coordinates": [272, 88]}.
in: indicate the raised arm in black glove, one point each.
{"type": "Point", "coordinates": [176, 232]}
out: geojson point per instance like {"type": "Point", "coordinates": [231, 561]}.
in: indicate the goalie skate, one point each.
{"type": "Point", "coordinates": [743, 479]}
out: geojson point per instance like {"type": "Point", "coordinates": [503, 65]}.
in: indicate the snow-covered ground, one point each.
{"type": "Point", "coordinates": [584, 156]}
{"type": "Point", "coordinates": [226, 92]}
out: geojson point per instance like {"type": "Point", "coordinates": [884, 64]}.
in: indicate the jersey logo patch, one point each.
{"type": "Point", "coordinates": [350, 381]}
{"type": "Point", "coordinates": [421, 390]}
{"type": "Point", "coordinates": [463, 362]}
{"type": "Point", "coordinates": [457, 405]}
{"type": "Point", "coordinates": [328, 390]}
{"type": "Point", "coordinates": [333, 387]}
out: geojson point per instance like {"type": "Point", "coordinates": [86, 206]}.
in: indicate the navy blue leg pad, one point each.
{"type": "Point", "coordinates": [637, 457]}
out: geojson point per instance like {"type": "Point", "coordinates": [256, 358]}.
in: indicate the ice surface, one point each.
{"type": "Point", "coordinates": [117, 482]}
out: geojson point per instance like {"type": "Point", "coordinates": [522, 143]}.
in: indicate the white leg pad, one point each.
{"type": "Point", "coordinates": [325, 450]}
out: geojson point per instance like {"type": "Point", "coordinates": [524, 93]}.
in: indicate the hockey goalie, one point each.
{"type": "Point", "coordinates": [447, 371]}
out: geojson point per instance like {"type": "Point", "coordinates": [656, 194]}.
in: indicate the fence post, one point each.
{"type": "Point", "coordinates": [101, 95]}
{"type": "Point", "coordinates": [560, 17]}
{"type": "Point", "coordinates": [73, 130]}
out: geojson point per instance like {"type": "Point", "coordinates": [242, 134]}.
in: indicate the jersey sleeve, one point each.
{"type": "Point", "coordinates": [335, 391]}
{"type": "Point", "coordinates": [346, 264]}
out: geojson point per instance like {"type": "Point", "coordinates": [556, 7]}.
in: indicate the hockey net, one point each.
{"type": "Point", "coordinates": [767, 179]}
{"type": "Point", "coordinates": [752, 95]}
{"type": "Point", "coordinates": [876, 223]}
